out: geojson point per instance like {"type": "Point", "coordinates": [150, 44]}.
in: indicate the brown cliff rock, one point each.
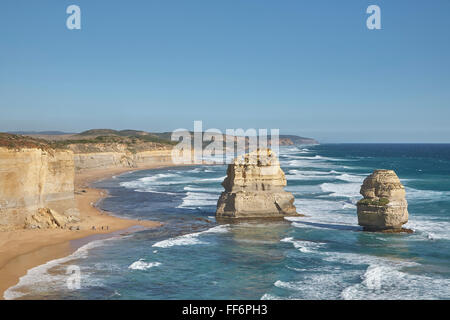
{"type": "Point", "coordinates": [34, 178]}
{"type": "Point", "coordinates": [384, 207]}
{"type": "Point", "coordinates": [254, 188]}
{"type": "Point", "coordinates": [46, 218]}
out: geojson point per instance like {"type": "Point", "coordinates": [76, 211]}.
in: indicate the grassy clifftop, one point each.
{"type": "Point", "coordinates": [84, 143]}
{"type": "Point", "coordinates": [13, 141]}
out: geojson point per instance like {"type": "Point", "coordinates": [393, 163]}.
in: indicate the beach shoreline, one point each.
{"type": "Point", "coordinates": [23, 249]}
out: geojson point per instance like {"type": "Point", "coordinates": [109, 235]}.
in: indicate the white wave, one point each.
{"type": "Point", "coordinates": [289, 150]}
{"type": "Point", "coordinates": [303, 163]}
{"type": "Point", "coordinates": [295, 174]}
{"type": "Point", "coordinates": [157, 179]}
{"type": "Point", "coordinates": [324, 212]}
{"type": "Point", "coordinates": [211, 179]}
{"type": "Point", "coordinates": [185, 240]}
{"type": "Point", "coordinates": [296, 156]}
{"type": "Point", "coordinates": [198, 199]}
{"type": "Point", "coordinates": [196, 170]}
{"type": "Point", "coordinates": [154, 183]}
{"type": "Point", "coordinates": [286, 285]}
{"type": "Point", "coordinates": [268, 296]}
{"type": "Point", "coordinates": [303, 246]}
{"type": "Point", "coordinates": [39, 278]}
{"type": "Point", "coordinates": [190, 239]}
{"type": "Point", "coordinates": [391, 283]}
{"type": "Point", "coordinates": [428, 228]}
{"type": "Point", "coordinates": [208, 190]}
{"type": "Point", "coordinates": [328, 282]}
{"type": "Point", "coordinates": [153, 190]}
{"type": "Point", "coordinates": [416, 195]}
{"type": "Point", "coordinates": [365, 259]}
{"type": "Point", "coordinates": [310, 172]}
{"type": "Point", "coordinates": [351, 178]}
{"type": "Point", "coordinates": [347, 190]}
{"type": "Point", "coordinates": [347, 205]}
{"type": "Point", "coordinates": [142, 265]}
{"type": "Point", "coordinates": [321, 285]}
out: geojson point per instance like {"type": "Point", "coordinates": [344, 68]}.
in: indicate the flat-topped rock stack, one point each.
{"type": "Point", "coordinates": [384, 207]}
{"type": "Point", "coordinates": [254, 188]}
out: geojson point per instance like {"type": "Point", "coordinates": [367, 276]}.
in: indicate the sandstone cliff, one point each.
{"type": "Point", "coordinates": [254, 188]}
{"type": "Point", "coordinates": [120, 158]}
{"type": "Point", "coordinates": [109, 149]}
{"type": "Point", "coordinates": [384, 206]}
{"type": "Point", "coordinates": [32, 178]}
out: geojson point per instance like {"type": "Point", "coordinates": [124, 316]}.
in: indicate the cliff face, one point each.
{"type": "Point", "coordinates": [32, 179]}
{"type": "Point", "coordinates": [384, 206]}
{"type": "Point", "coordinates": [37, 180]}
{"type": "Point", "coordinates": [254, 188]}
{"type": "Point", "coordinates": [117, 156]}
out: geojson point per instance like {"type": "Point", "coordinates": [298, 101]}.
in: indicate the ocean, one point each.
{"type": "Point", "coordinates": [324, 255]}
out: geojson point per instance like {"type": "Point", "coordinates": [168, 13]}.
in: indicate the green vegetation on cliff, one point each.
{"type": "Point", "coordinates": [13, 141]}
{"type": "Point", "coordinates": [104, 140]}
{"type": "Point", "coordinates": [87, 143]}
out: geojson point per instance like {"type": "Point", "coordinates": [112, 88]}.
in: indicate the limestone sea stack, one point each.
{"type": "Point", "coordinates": [384, 207]}
{"type": "Point", "coordinates": [254, 188]}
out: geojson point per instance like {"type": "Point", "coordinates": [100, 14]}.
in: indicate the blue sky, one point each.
{"type": "Point", "coordinates": [307, 67]}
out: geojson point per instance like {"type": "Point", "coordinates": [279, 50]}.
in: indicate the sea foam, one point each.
{"type": "Point", "coordinates": [142, 265]}
{"type": "Point", "coordinates": [191, 238]}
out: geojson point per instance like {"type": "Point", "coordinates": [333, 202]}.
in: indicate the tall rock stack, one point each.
{"type": "Point", "coordinates": [254, 188]}
{"type": "Point", "coordinates": [384, 207]}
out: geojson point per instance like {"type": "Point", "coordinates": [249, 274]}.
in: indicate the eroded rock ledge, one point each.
{"type": "Point", "coordinates": [254, 188]}
{"type": "Point", "coordinates": [384, 207]}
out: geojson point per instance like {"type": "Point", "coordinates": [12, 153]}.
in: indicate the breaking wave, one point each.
{"type": "Point", "coordinates": [191, 238]}
{"type": "Point", "coordinates": [142, 265]}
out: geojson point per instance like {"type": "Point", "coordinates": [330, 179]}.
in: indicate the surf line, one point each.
{"type": "Point", "coordinates": [193, 310]}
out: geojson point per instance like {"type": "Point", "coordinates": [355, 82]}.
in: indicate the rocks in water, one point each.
{"type": "Point", "coordinates": [254, 188]}
{"type": "Point", "coordinates": [384, 207]}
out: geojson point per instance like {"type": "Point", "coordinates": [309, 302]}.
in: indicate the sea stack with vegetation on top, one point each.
{"type": "Point", "coordinates": [254, 188]}
{"type": "Point", "coordinates": [384, 207]}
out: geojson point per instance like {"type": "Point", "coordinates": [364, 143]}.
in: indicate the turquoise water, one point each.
{"type": "Point", "coordinates": [322, 256]}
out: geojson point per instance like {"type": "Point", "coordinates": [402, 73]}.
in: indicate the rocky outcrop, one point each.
{"type": "Point", "coordinates": [254, 188]}
{"type": "Point", "coordinates": [46, 218]}
{"type": "Point", "coordinates": [384, 207]}
{"type": "Point", "coordinates": [32, 179]}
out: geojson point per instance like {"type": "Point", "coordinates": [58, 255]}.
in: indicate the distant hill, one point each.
{"type": "Point", "coordinates": [134, 136]}
{"type": "Point", "coordinates": [297, 140]}
{"type": "Point", "coordinates": [47, 133]}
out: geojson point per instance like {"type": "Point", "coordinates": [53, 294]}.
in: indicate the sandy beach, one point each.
{"type": "Point", "coordinates": [22, 249]}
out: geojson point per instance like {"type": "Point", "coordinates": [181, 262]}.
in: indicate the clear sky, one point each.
{"type": "Point", "coordinates": [307, 67]}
